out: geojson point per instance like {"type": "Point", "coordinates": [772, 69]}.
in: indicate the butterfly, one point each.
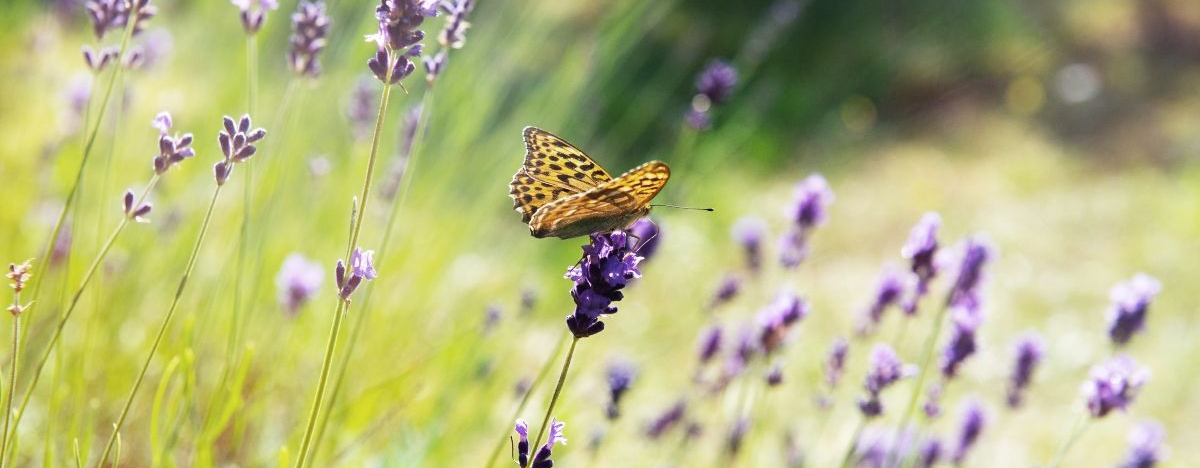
{"type": "Point", "coordinates": [561, 192]}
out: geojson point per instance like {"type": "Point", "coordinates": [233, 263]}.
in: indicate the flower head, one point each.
{"type": "Point", "coordinates": [973, 421]}
{"type": "Point", "coordinates": [1130, 301]}
{"type": "Point", "coordinates": [398, 38]}
{"type": "Point", "coordinates": [1029, 349]}
{"type": "Point", "coordinates": [237, 144]}
{"type": "Point", "coordinates": [310, 25]}
{"type": "Point", "coordinates": [1113, 385]}
{"type": "Point", "coordinates": [976, 254]}
{"type": "Point", "coordinates": [1145, 445]}
{"type": "Point", "coordinates": [962, 344]}
{"type": "Point", "coordinates": [298, 280]}
{"type": "Point", "coordinates": [171, 149]}
{"type": "Point", "coordinates": [888, 289]}
{"type": "Point", "coordinates": [453, 34]}
{"type": "Point", "coordinates": [98, 60]}
{"type": "Point", "coordinates": [607, 266]}
{"type": "Point", "coordinates": [810, 204]}
{"type": "Point", "coordinates": [749, 232]}
{"type": "Point", "coordinates": [777, 319]}
{"type": "Point", "coordinates": [710, 344]}
{"type": "Point", "coordinates": [667, 420]}
{"type": "Point", "coordinates": [254, 13]}
{"type": "Point", "coordinates": [361, 268]}
{"type": "Point", "coordinates": [885, 370]}
{"type": "Point", "coordinates": [107, 15]}
{"type": "Point", "coordinates": [522, 428]}
{"type": "Point", "coordinates": [835, 363]}
{"type": "Point", "coordinates": [620, 376]}
{"type": "Point", "coordinates": [930, 453]}
{"type": "Point", "coordinates": [717, 81]}
{"type": "Point", "coordinates": [729, 287]}
{"type": "Point", "coordinates": [360, 109]}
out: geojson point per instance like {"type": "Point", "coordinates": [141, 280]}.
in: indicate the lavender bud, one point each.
{"type": "Point", "coordinates": [1029, 349]}
{"type": "Point", "coordinates": [710, 344]}
{"type": "Point", "coordinates": [141, 212]}
{"type": "Point", "coordinates": [920, 249]}
{"type": "Point", "coordinates": [885, 370]}
{"type": "Point", "coordinates": [749, 232]}
{"type": "Point", "coordinates": [620, 376]}
{"type": "Point", "coordinates": [1130, 302]}
{"type": "Point", "coordinates": [298, 280]}
{"type": "Point", "coordinates": [221, 171]}
{"type": "Point", "coordinates": [310, 25]}
{"type": "Point", "coordinates": [127, 201]}
{"type": "Point", "coordinates": [973, 421]}
{"type": "Point", "coordinates": [835, 364]}
{"type": "Point", "coordinates": [1113, 385]}
{"type": "Point", "coordinates": [727, 290]}
{"type": "Point", "coordinates": [667, 420]}
{"type": "Point", "coordinates": [1145, 445]}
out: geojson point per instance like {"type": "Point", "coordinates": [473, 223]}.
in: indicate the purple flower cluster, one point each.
{"type": "Point", "coordinates": [888, 291]}
{"type": "Point", "coordinates": [727, 289]}
{"type": "Point", "coordinates": [607, 266]}
{"type": "Point", "coordinates": [237, 144]}
{"type": "Point", "coordinates": [398, 38]}
{"type": "Point", "coordinates": [98, 60]}
{"type": "Point", "coordinates": [1145, 445]}
{"type": "Point", "coordinates": [620, 376]}
{"type": "Point", "coordinates": [541, 459]}
{"type": "Point", "coordinates": [1113, 385]}
{"type": "Point", "coordinates": [453, 35]}
{"type": "Point", "coordinates": [1130, 302]}
{"type": "Point", "coordinates": [973, 421]}
{"type": "Point", "coordinates": [171, 149]}
{"type": "Point", "coordinates": [138, 214]}
{"type": "Point", "coordinates": [921, 251]}
{"type": "Point", "coordinates": [962, 344]}
{"type": "Point", "coordinates": [930, 453]}
{"type": "Point", "coordinates": [669, 419]}
{"type": "Point", "coordinates": [714, 85]}
{"type": "Point", "coordinates": [885, 370]}
{"type": "Point", "coordinates": [107, 15]}
{"type": "Point", "coordinates": [709, 344]}
{"type": "Point", "coordinates": [360, 109]}
{"type": "Point", "coordinates": [298, 280]}
{"type": "Point", "coordinates": [775, 320]}
{"type": "Point", "coordinates": [749, 233]}
{"type": "Point", "coordinates": [835, 363]}
{"type": "Point", "coordinates": [1029, 349]}
{"type": "Point", "coordinates": [254, 13]}
{"type": "Point", "coordinates": [310, 25]}
{"type": "Point", "coordinates": [965, 291]}
{"type": "Point", "coordinates": [362, 267]}
{"type": "Point", "coordinates": [810, 204]}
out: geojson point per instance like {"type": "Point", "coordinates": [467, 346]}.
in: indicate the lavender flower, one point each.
{"type": "Point", "coordinates": [835, 364]}
{"type": "Point", "coordinates": [491, 318]}
{"type": "Point", "coordinates": [107, 15]}
{"type": "Point", "coordinates": [774, 375]}
{"type": "Point", "coordinates": [921, 249]}
{"type": "Point", "coordinates": [877, 445]}
{"type": "Point", "coordinates": [171, 149]}
{"type": "Point", "coordinates": [1130, 301]}
{"type": "Point", "coordinates": [885, 370]}
{"type": "Point", "coordinates": [1114, 385]}
{"type": "Point", "coordinates": [98, 60]}
{"type": "Point", "coordinates": [965, 292]}
{"type": "Point", "coordinates": [667, 420]}
{"type": "Point", "coordinates": [962, 344]}
{"type": "Point", "coordinates": [749, 232]}
{"type": "Point", "coordinates": [237, 144]}
{"type": "Point", "coordinates": [298, 280]}
{"type": "Point", "coordinates": [888, 289]}
{"type": "Point", "coordinates": [19, 275]}
{"type": "Point", "coordinates": [453, 35]}
{"type": "Point", "coordinates": [310, 25]}
{"type": "Point", "coordinates": [973, 421]}
{"type": "Point", "coordinates": [399, 34]}
{"type": "Point", "coordinates": [737, 434]}
{"type": "Point", "coordinates": [620, 376]}
{"type": "Point", "coordinates": [713, 87]}
{"type": "Point", "coordinates": [434, 65]}
{"type": "Point", "coordinates": [644, 237]}
{"type": "Point", "coordinates": [254, 13]}
{"type": "Point", "coordinates": [361, 108]}
{"type": "Point", "coordinates": [137, 214]}
{"type": "Point", "coordinates": [777, 319]}
{"type": "Point", "coordinates": [607, 266]}
{"type": "Point", "coordinates": [810, 204]}
{"type": "Point", "coordinates": [361, 268]}
{"type": "Point", "coordinates": [930, 453]}
{"type": "Point", "coordinates": [933, 402]}
{"type": "Point", "coordinates": [726, 290]}
{"type": "Point", "coordinates": [1029, 349]}
{"type": "Point", "coordinates": [710, 344]}
{"type": "Point", "coordinates": [541, 459]}
{"type": "Point", "coordinates": [522, 429]}
{"type": "Point", "coordinates": [1145, 445]}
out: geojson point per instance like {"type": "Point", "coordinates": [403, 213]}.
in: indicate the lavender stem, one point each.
{"type": "Point", "coordinates": [922, 374]}
{"type": "Point", "coordinates": [1077, 427]}
{"type": "Point", "coordinates": [562, 378]}
{"type": "Point", "coordinates": [537, 381]}
{"type": "Point", "coordinates": [858, 430]}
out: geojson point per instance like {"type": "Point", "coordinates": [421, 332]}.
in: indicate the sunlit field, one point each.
{"type": "Point", "coordinates": [925, 186]}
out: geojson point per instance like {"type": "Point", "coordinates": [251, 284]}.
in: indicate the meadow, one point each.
{"type": "Point", "coordinates": [214, 329]}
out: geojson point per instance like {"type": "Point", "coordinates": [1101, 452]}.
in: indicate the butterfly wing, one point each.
{"type": "Point", "coordinates": [553, 169]}
{"type": "Point", "coordinates": [611, 205]}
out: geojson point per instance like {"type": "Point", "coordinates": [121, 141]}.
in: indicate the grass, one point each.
{"type": "Point", "coordinates": [426, 386]}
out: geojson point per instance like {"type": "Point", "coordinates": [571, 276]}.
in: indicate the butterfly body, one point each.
{"type": "Point", "coordinates": [561, 192]}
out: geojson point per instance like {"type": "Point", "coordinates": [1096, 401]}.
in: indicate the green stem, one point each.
{"type": "Point", "coordinates": [537, 381]}
{"type": "Point", "coordinates": [862, 423]}
{"type": "Point", "coordinates": [1077, 429]}
{"type": "Point", "coordinates": [562, 378]}
{"type": "Point", "coordinates": [66, 315]}
{"type": "Point", "coordinates": [922, 374]}
{"type": "Point", "coordinates": [12, 379]}
{"type": "Point", "coordinates": [162, 330]}
{"type": "Point", "coordinates": [324, 379]}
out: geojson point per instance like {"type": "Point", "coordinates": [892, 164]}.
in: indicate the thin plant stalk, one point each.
{"type": "Point", "coordinates": [862, 423]}
{"type": "Point", "coordinates": [922, 373]}
{"type": "Point", "coordinates": [360, 213]}
{"type": "Point", "coordinates": [562, 378]}
{"type": "Point", "coordinates": [360, 317]}
{"type": "Point", "coordinates": [12, 376]}
{"type": "Point", "coordinates": [1077, 428]}
{"type": "Point", "coordinates": [537, 381]}
{"type": "Point", "coordinates": [75, 297]}
{"type": "Point", "coordinates": [137, 383]}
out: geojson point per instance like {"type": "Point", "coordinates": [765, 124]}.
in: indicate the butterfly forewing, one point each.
{"type": "Point", "coordinates": [553, 169]}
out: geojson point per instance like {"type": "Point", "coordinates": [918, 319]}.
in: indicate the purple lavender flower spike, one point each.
{"type": "Point", "coordinates": [644, 237]}
{"type": "Point", "coordinates": [607, 266]}
{"type": "Point", "coordinates": [1113, 385]}
{"type": "Point", "coordinates": [976, 254]}
{"type": "Point", "coordinates": [749, 232]}
{"type": "Point", "coordinates": [737, 434]}
{"type": "Point", "coordinates": [522, 429]}
{"type": "Point", "coordinates": [298, 280]}
{"type": "Point", "coordinates": [171, 149]}
{"type": "Point", "coordinates": [930, 453]}
{"type": "Point", "coordinates": [542, 458]}
{"type": "Point", "coordinates": [361, 108]}
{"type": "Point", "coordinates": [237, 144]}
{"type": "Point", "coordinates": [254, 13]}
{"type": "Point", "coordinates": [962, 344]}
{"type": "Point", "coordinates": [877, 445]}
{"type": "Point", "coordinates": [888, 289]}
{"type": "Point", "coordinates": [774, 375]}
{"type": "Point", "coordinates": [434, 65]}
{"type": "Point", "coordinates": [973, 421]}
{"type": "Point", "coordinates": [310, 25]}
{"type": "Point", "coordinates": [361, 268]}
{"type": "Point", "coordinates": [777, 319]}
{"type": "Point", "coordinates": [1029, 349]}
{"type": "Point", "coordinates": [835, 364]}
{"type": "Point", "coordinates": [921, 250]}
{"type": "Point", "coordinates": [620, 376]}
{"type": "Point", "coordinates": [1130, 301]}
{"type": "Point", "coordinates": [728, 289]}
{"type": "Point", "coordinates": [810, 205]}
{"type": "Point", "coordinates": [398, 38]}
{"type": "Point", "coordinates": [933, 402]}
{"type": "Point", "coordinates": [710, 344]}
{"type": "Point", "coordinates": [107, 15]}
{"type": "Point", "coordinates": [717, 81]}
{"type": "Point", "coordinates": [98, 60]}
{"type": "Point", "coordinates": [885, 370]}
{"type": "Point", "coordinates": [667, 420]}
{"type": "Point", "coordinates": [453, 35]}
{"type": "Point", "coordinates": [1145, 445]}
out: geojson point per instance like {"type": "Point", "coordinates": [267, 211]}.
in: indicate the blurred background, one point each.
{"type": "Point", "coordinates": [1063, 131]}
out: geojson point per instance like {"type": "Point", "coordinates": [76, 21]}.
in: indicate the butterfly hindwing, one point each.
{"type": "Point", "coordinates": [611, 205]}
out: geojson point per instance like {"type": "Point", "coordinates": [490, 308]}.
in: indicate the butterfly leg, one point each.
{"type": "Point", "coordinates": [641, 242]}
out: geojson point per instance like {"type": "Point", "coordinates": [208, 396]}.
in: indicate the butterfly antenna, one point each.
{"type": "Point", "coordinates": [684, 207]}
